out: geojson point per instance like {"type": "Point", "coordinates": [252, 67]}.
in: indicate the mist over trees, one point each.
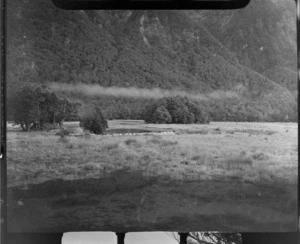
{"type": "Point", "coordinates": [38, 108]}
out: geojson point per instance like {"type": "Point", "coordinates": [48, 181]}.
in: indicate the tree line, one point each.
{"type": "Point", "coordinates": [39, 108]}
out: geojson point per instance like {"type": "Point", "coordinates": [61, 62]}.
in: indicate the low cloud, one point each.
{"type": "Point", "coordinates": [134, 92]}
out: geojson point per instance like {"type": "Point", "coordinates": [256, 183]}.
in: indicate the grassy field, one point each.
{"type": "Point", "coordinates": [221, 176]}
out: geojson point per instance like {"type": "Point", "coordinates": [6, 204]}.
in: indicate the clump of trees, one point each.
{"type": "Point", "coordinates": [92, 119]}
{"type": "Point", "coordinates": [176, 110]}
{"type": "Point", "coordinates": [37, 108]}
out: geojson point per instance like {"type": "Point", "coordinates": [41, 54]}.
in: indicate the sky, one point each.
{"type": "Point", "coordinates": [111, 238]}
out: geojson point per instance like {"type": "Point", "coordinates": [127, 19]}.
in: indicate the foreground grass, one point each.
{"type": "Point", "coordinates": [222, 176]}
{"type": "Point", "coordinates": [220, 151]}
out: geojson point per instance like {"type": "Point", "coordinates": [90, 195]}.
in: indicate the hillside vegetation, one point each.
{"type": "Point", "coordinates": [171, 50]}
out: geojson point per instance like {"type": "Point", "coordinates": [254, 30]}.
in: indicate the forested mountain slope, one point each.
{"type": "Point", "coordinates": [200, 52]}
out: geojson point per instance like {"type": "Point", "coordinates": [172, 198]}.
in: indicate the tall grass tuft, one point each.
{"type": "Point", "coordinates": [112, 146]}
{"type": "Point", "coordinates": [130, 141]}
{"type": "Point", "coordinates": [200, 159]}
{"type": "Point", "coordinates": [237, 162]}
{"type": "Point", "coordinates": [260, 156]}
{"type": "Point", "coordinates": [158, 140]}
{"type": "Point", "coordinates": [63, 140]}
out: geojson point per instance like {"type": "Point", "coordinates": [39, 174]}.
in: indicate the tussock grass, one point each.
{"type": "Point", "coordinates": [70, 146]}
{"type": "Point", "coordinates": [131, 157]}
{"type": "Point", "coordinates": [260, 156]}
{"type": "Point", "coordinates": [178, 157]}
{"type": "Point", "coordinates": [201, 159]}
{"type": "Point", "coordinates": [238, 161]}
{"type": "Point", "coordinates": [111, 146]}
{"type": "Point", "coordinates": [154, 140]}
{"type": "Point", "coordinates": [63, 140]}
{"type": "Point", "coordinates": [185, 162]}
{"type": "Point", "coordinates": [91, 167]}
{"type": "Point", "coordinates": [162, 142]}
{"type": "Point", "coordinates": [196, 157]}
{"type": "Point", "coordinates": [269, 132]}
{"type": "Point", "coordinates": [146, 158]}
{"type": "Point", "coordinates": [168, 143]}
{"type": "Point", "coordinates": [130, 141]}
{"type": "Point", "coordinates": [203, 131]}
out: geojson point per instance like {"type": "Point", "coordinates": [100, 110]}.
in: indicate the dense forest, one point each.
{"type": "Point", "coordinates": [245, 66]}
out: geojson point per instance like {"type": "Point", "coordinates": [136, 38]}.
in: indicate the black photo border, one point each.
{"type": "Point", "coordinates": [150, 4]}
{"type": "Point", "coordinates": [56, 238]}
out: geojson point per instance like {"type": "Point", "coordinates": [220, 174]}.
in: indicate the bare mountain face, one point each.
{"type": "Point", "coordinates": [194, 51]}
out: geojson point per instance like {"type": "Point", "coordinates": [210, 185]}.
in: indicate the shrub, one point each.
{"type": "Point", "coordinates": [92, 119]}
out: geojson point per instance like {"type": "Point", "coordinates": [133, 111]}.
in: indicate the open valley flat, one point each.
{"type": "Point", "coordinates": [224, 176]}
